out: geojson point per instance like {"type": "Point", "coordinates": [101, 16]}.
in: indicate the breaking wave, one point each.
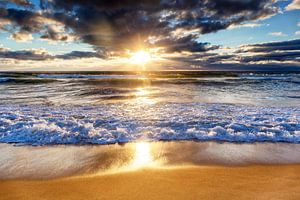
{"type": "Point", "coordinates": [120, 123]}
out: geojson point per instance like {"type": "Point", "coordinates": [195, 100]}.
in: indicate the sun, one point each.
{"type": "Point", "coordinates": [140, 58]}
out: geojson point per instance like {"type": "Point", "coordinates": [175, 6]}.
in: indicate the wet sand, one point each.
{"type": "Point", "coordinates": [212, 182]}
{"type": "Point", "coordinates": [159, 170]}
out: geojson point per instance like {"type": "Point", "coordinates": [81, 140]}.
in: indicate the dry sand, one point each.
{"type": "Point", "coordinates": [252, 182]}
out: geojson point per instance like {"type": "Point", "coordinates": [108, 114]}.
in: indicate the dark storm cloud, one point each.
{"type": "Point", "coordinates": [115, 25]}
{"type": "Point", "coordinates": [25, 20]}
{"type": "Point", "coordinates": [173, 25]}
{"type": "Point", "coordinates": [187, 43]}
{"type": "Point", "coordinates": [106, 4]}
{"type": "Point", "coordinates": [28, 22]}
{"type": "Point", "coordinates": [214, 15]}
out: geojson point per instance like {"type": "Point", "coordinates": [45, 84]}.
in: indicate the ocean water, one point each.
{"type": "Point", "coordinates": [120, 107]}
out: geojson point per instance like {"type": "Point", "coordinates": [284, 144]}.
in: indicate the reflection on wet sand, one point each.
{"type": "Point", "coordinates": [143, 156]}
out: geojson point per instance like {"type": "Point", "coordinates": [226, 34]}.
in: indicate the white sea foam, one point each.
{"type": "Point", "coordinates": [118, 123]}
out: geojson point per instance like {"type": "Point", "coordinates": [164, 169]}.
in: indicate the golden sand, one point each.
{"type": "Point", "coordinates": [252, 182]}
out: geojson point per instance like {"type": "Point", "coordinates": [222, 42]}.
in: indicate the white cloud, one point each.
{"type": "Point", "coordinates": [297, 33]}
{"type": "Point", "coordinates": [248, 25]}
{"type": "Point", "coordinates": [21, 37]}
{"type": "Point", "coordinates": [278, 34]}
{"type": "Point", "coordinates": [295, 5]}
{"type": "Point", "coordinates": [3, 24]}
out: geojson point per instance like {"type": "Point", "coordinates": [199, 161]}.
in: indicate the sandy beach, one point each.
{"type": "Point", "coordinates": [254, 182]}
{"type": "Point", "coordinates": [160, 170]}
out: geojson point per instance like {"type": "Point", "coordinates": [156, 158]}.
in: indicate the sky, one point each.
{"type": "Point", "coordinates": [84, 35]}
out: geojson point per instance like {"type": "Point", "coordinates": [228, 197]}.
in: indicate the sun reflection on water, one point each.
{"type": "Point", "coordinates": [143, 96]}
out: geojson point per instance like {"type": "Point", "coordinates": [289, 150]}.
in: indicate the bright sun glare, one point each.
{"type": "Point", "coordinates": [140, 57]}
{"type": "Point", "coordinates": [143, 155]}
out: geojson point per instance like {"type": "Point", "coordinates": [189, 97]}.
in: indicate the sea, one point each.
{"type": "Point", "coordinates": [82, 108]}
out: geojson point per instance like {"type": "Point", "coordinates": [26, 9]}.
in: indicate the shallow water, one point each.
{"type": "Point", "coordinates": [105, 108]}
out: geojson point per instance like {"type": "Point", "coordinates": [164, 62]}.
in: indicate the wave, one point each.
{"type": "Point", "coordinates": [83, 76]}
{"type": "Point", "coordinates": [119, 123]}
{"type": "Point", "coordinates": [4, 79]}
{"type": "Point", "coordinates": [106, 91]}
{"type": "Point", "coordinates": [179, 81]}
{"type": "Point", "coordinates": [272, 77]}
{"type": "Point", "coordinates": [293, 97]}
{"type": "Point", "coordinates": [137, 80]}
{"type": "Point", "coordinates": [26, 80]}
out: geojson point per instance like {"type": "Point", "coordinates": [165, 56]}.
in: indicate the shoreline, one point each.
{"type": "Point", "coordinates": [50, 162]}
{"type": "Point", "coordinates": [159, 170]}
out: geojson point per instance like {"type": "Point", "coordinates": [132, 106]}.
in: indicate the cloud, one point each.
{"type": "Point", "coordinates": [297, 33]}
{"type": "Point", "coordinates": [43, 55]}
{"type": "Point", "coordinates": [278, 34]}
{"type": "Point", "coordinates": [247, 25]}
{"type": "Point", "coordinates": [116, 26]}
{"type": "Point", "coordinates": [33, 54]}
{"type": "Point", "coordinates": [25, 20]}
{"type": "Point", "coordinates": [22, 36]}
{"type": "Point", "coordinates": [295, 5]}
{"type": "Point", "coordinates": [265, 56]}
{"type": "Point", "coordinates": [273, 56]}
{"type": "Point", "coordinates": [273, 51]}
{"type": "Point", "coordinates": [80, 55]}
{"type": "Point", "coordinates": [291, 45]}
{"type": "Point", "coordinates": [172, 28]}
{"type": "Point", "coordinates": [25, 3]}
{"type": "Point", "coordinates": [22, 23]}
{"type": "Point", "coordinates": [186, 43]}
{"type": "Point", "coordinates": [276, 56]}
{"type": "Point", "coordinates": [53, 33]}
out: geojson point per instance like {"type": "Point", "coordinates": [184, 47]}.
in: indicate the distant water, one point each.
{"type": "Point", "coordinates": [102, 108]}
